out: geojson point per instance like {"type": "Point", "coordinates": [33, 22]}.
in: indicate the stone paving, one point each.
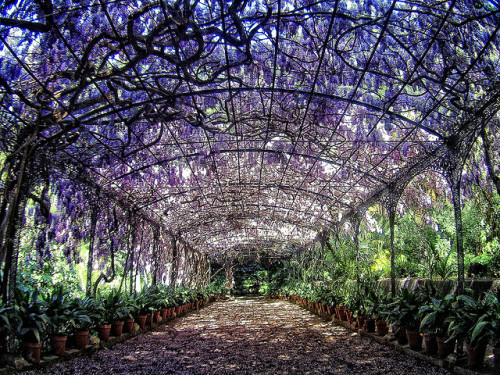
{"type": "Point", "coordinates": [247, 336]}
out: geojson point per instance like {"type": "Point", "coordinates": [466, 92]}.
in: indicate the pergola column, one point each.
{"type": "Point", "coordinates": [453, 177]}
{"type": "Point", "coordinates": [229, 274]}
{"type": "Point", "coordinates": [390, 202]}
{"type": "Point", "coordinates": [174, 268]}
{"type": "Point", "coordinates": [451, 166]}
{"type": "Point", "coordinates": [90, 261]}
{"type": "Point", "coordinates": [355, 221]}
{"type": "Point", "coordinates": [156, 251]}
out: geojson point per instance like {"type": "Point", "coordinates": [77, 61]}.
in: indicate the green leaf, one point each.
{"type": "Point", "coordinates": [479, 331]}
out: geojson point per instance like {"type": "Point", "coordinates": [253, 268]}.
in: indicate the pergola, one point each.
{"type": "Point", "coordinates": [238, 127]}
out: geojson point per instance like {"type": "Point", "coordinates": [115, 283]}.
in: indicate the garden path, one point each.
{"type": "Point", "coordinates": [247, 336]}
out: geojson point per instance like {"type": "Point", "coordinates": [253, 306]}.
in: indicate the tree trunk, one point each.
{"type": "Point", "coordinates": [9, 226]}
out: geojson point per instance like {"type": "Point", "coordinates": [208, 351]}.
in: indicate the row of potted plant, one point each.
{"type": "Point", "coordinates": [413, 315]}
{"type": "Point", "coordinates": [53, 317]}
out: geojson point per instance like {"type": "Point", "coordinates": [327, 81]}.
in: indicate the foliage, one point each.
{"type": "Point", "coordinates": [61, 312]}
{"type": "Point", "coordinates": [114, 306]}
{"type": "Point", "coordinates": [487, 326]}
{"type": "Point", "coordinates": [94, 310]}
{"type": "Point", "coordinates": [435, 314]}
{"type": "Point", "coordinates": [87, 313]}
{"type": "Point", "coordinates": [42, 270]}
{"type": "Point", "coordinates": [147, 301]}
{"type": "Point", "coordinates": [466, 316]}
{"type": "Point", "coordinates": [33, 322]}
{"type": "Point", "coordinates": [404, 310]}
{"type": "Point", "coordinates": [375, 303]}
{"type": "Point", "coordinates": [6, 314]}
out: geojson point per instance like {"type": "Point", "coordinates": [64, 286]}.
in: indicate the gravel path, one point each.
{"type": "Point", "coordinates": [247, 336]}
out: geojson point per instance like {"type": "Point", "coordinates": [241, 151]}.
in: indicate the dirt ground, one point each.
{"type": "Point", "coordinates": [247, 336]}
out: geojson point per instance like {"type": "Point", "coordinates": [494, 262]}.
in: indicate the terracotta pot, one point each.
{"type": "Point", "coordinates": [444, 348]}
{"type": "Point", "coordinates": [103, 331]}
{"type": "Point", "coordinates": [414, 339]}
{"type": "Point", "coordinates": [149, 319]}
{"type": "Point", "coordinates": [430, 345]}
{"type": "Point", "coordinates": [475, 354]}
{"type": "Point", "coordinates": [178, 310]}
{"type": "Point", "coordinates": [349, 316]}
{"type": "Point", "coordinates": [58, 344]}
{"type": "Point", "coordinates": [382, 328]}
{"type": "Point", "coordinates": [331, 311]}
{"type": "Point", "coordinates": [156, 317]}
{"type": "Point", "coordinates": [171, 312]}
{"type": "Point", "coordinates": [128, 325]}
{"type": "Point", "coordinates": [369, 325]}
{"type": "Point", "coordinates": [117, 328]}
{"type": "Point", "coordinates": [341, 313]}
{"type": "Point", "coordinates": [400, 335]}
{"type": "Point", "coordinates": [360, 320]}
{"type": "Point", "coordinates": [81, 339]}
{"type": "Point", "coordinates": [32, 351]}
{"type": "Point", "coordinates": [163, 313]}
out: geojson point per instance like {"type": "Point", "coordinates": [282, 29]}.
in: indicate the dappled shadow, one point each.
{"type": "Point", "coordinates": [248, 336]}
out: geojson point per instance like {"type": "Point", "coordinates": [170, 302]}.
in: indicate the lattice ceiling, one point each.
{"type": "Point", "coordinates": [249, 124]}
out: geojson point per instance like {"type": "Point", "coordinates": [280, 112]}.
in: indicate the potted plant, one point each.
{"type": "Point", "coordinates": [84, 315]}
{"type": "Point", "coordinates": [465, 320]}
{"type": "Point", "coordinates": [406, 306]}
{"type": "Point", "coordinates": [180, 301]}
{"type": "Point", "coordinates": [97, 315]}
{"type": "Point", "coordinates": [32, 323]}
{"type": "Point", "coordinates": [157, 302]}
{"type": "Point", "coordinates": [434, 324]}
{"type": "Point", "coordinates": [9, 319]}
{"type": "Point", "coordinates": [353, 302]}
{"type": "Point", "coordinates": [375, 304]}
{"type": "Point", "coordinates": [130, 302]}
{"type": "Point", "coordinates": [144, 303]}
{"type": "Point", "coordinates": [488, 326]}
{"type": "Point", "coordinates": [483, 316]}
{"type": "Point", "coordinates": [61, 315]}
{"type": "Point", "coordinates": [165, 301]}
{"type": "Point", "coordinates": [393, 317]}
{"type": "Point", "coordinates": [116, 310]}
{"type": "Point", "coordinates": [365, 287]}
{"type": "Point", "coordinates": [360, 313]}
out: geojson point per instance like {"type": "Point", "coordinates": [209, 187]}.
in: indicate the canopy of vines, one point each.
{"type": "Point", "coordinates": [235, 126]}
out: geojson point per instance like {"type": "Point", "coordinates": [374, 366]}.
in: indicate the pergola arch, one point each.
{"type": "Point", "coordinates": [284, 113]}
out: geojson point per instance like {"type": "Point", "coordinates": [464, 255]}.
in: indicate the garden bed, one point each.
{"type": "Point", "coordinates": [248, 335]}
{"type": "Point", "coordinates": [16, 364]}
{"type": "Point", "coordinates": [452, 362]}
